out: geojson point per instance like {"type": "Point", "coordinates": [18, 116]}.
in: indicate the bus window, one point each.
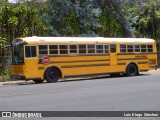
{"type": "Point", "coordinates": [53, 49]}
{"type": "Point", "coordinates": [137, 48]}
{"type": "Point", "coordinates": [82, 49]}
{"type": "Point", "coordinates": [130, 48]}
{"type": "Point", "coordinates": [143, 48]}
{"type": "Point", "coordinates": [106, 48]}
{"type": "Point", "coordinates": [150, 48]}
{"type": "Point", "coordinates": [18, 54]}
{"type": "Point", "coordinates": [99, 48]}
{"type": "Point", "coordinates": [112, 48]}
{"type": "Point", "coordinates": [63, 49]}
{"type": "Point", "coordinates": [30, 51]}
{"type": "Point", "coordinates": [123, 48]}
{"type": "Point", "coordinates": [73, 49]}
{"type": "Point", "coordinates": [43, 49]}
{"type": "Point", "coordinates": [91, 48]}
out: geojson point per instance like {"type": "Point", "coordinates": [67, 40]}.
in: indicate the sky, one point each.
{"type": "Point", "coordinates": [11, 0]}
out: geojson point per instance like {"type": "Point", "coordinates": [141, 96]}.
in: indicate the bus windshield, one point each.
{"type": "Point", "coordinates": [18, 54]}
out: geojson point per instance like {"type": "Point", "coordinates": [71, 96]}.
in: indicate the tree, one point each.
{"type": "Point", "coordinates": [111, 19]}
{"type": "Point", "coordinates": [103, 17]}
{"type": "Point", "coordinates": [65, 17]}
{"type": "Point", "coordinates": [148, 21]}
{"type": "Point", "coordinates": [20, 21]}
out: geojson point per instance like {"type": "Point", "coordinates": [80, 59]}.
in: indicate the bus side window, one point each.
{"type": "Point", "coordinates": [143, 48]}
{"type": "Point", "coordinates": [91, 48]}
{"type": "Point", "coordinates": [63, 49]}
{"type": "Point", "coordinates": [99, 48]}
{"type": "Point", "coordinates": [137, 48]}
{"type": "Point", "coordinates": [82, 49]}
{"type": "Point", "coordinates": [106, 48]}
{"type": "Point", "coordinates": [43, 49]}
{"type": "Point", "coordinates": [123, 48]}
{"type": "Point", "coordinates": [130, 48]}
{"type": "Point", "coordinates": [73, 49]}
{"type": "Point", "coordinates": [30, 51]}
{"type": "Point", "coordinates": [113, 48]}
{"type": "Point", "coordinates": [150, 48]}
{"type": "Point", "coordinates": [53, 49]}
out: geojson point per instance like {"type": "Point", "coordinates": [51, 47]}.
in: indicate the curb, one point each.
{"type": "Point", "coordinates": [16, 83]}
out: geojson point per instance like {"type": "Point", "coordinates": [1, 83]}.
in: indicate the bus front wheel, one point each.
{"type": "Point", "coordinates": [132, 70]}
{"type": "Point", "coordinates": [51, 75]}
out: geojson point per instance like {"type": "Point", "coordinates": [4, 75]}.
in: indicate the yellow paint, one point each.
{"type": "Point", "coordinates": [76, 64]}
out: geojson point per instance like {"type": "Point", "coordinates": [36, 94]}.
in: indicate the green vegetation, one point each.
{"type": "Point", "coordinates": [106, 18]}
{"type": "Point", "coordinates": [144, 18]}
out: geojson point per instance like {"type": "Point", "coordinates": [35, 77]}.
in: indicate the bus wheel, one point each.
{"type": "Point", "coordinates": [51, 75]}
{"type": "Point", "coordinates": [132, 70]}
{"type": "Point", "coordinates": [38, 81]}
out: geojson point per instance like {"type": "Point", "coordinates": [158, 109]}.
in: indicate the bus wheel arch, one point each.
{"type": "Point", "coordinates": [55, 70]}
{"type": "Point", "coordinates": [132, 69]}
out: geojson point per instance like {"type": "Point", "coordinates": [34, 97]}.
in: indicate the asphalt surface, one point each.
{"type": "Point", "coordinates": [140, 93]}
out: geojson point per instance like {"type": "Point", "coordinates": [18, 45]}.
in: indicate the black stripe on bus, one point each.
{"type": "Point", "coordinates": [121, 63]}
{"type": "Point", "coordinates": [40, 68]}
{"type": "Point", "coordinates": [142, 62]}
{"type": "Point", "coordinates": [92, 65]}
{"type": "Point", "coordinates": [134, 59]}
{"type": "Point", "coordinates": [135, 53]}
{"type": "Point", "coordinates": [105, 60]}
{"type": "Point", "coordinates": [81, 61]}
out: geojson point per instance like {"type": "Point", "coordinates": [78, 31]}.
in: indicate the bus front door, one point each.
{"type": "Point", "coordinates": [31, 61]}
{"type": "Point", "coordinates": [113, 55]}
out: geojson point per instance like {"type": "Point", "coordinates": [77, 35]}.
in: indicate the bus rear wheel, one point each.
{"type": "Point", "coordinates": [52, 75]}
{"type": "Point", "coordinates": [132, 70]}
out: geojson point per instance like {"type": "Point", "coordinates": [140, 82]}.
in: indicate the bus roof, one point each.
{"type": "Point", "coordinates": [85, 39]}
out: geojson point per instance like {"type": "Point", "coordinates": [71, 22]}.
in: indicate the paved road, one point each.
{"type": "Point", "coordinates": [141, 93]}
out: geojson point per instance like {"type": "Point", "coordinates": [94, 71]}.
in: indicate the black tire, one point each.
{"type": "Point", "coordinates": [38, 81]}
{"type": "Point", "coordinates": [132, 70]}
{"type": "Point", "coordinates": [52, 75]}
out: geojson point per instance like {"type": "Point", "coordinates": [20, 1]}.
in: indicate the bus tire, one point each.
{"type": "Point", "coordinates": [51, 75]}
{"type": "Point", "coordinates": [38, 81]}
{"type": "Point", "coordinates": [132, 70]}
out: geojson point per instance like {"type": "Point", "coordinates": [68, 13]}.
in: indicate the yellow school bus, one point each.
{"type": "Point", "coordinates": [51, 58]}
